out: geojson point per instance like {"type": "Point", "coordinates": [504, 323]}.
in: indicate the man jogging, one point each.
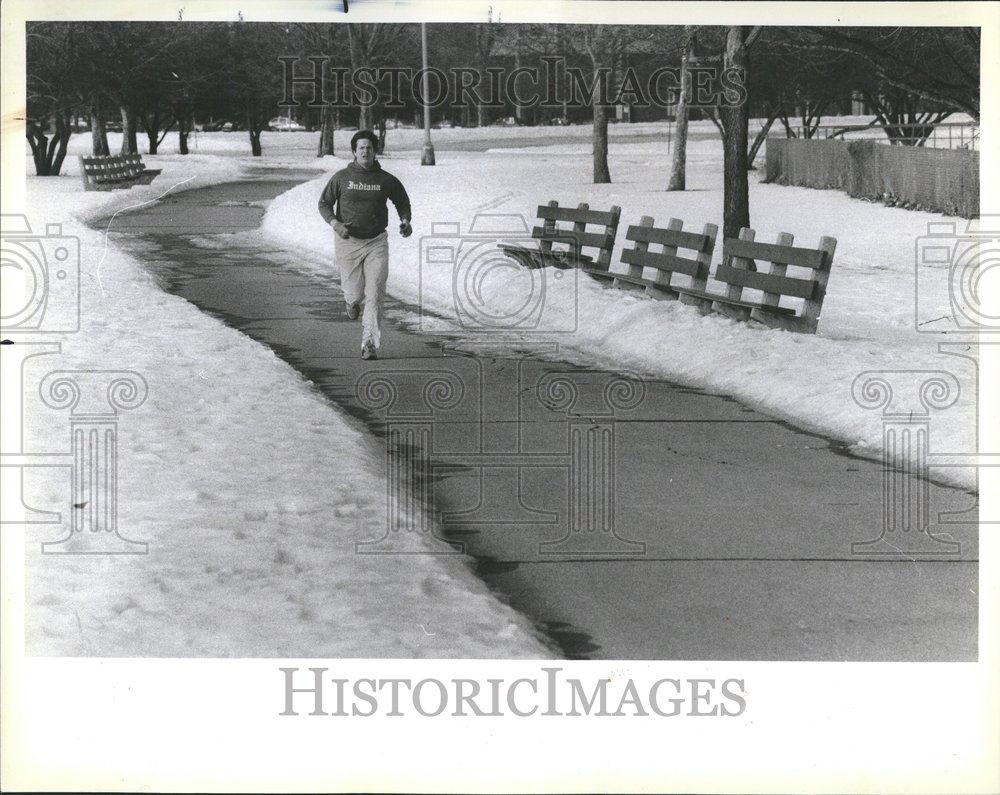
{"type": "Point", "coordinates": [354, 204]}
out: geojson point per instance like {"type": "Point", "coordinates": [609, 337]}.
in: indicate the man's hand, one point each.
{"type": "Point", "coordinates": [340, 229]}
{"type": "Point", "coordinates": [405, 229]}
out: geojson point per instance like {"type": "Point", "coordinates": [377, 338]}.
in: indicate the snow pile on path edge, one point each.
{"type": "Point", "coordinates": [246, 484]}
{"type": "Point", "coordinates": [805, 379]}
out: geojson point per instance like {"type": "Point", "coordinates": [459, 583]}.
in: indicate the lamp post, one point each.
{"type": "Point", "coordinates": [427, 156]}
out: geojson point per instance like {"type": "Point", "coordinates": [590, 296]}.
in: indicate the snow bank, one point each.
{"type": "Point", "coordinates": [246, 484]}
{"type": "Point", "coordinates": [867, 321]}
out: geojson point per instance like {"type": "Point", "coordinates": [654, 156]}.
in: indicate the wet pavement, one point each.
{"type": "Point", "coordinates": [629, 518]}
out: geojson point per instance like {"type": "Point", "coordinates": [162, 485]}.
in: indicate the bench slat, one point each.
{"type": "Point", "coordinates": [766, 282]}
{"type": "Point", "coordinates": [652, 287]}
{"type": "Point", "coordinates": [575, 214]}
{"type": "Point", "coordinates": [721, 299]}
{"type": "Point", "coordinates": [665, 262]}
{"type": "Point", "coordinates": [543, 258]}
{"type": "Point", "coordinates": [784, 255]}
{"type": "Point", "coordinates": [668, 237]}
{"type": "Point", "coordinates": [593, 239]}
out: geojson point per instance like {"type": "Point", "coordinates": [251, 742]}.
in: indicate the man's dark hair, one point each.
{"type": "Point", "coordinates": [361, 134]}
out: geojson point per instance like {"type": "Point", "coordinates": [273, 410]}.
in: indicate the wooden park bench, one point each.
{"type": "Point", "coordinates": [739, 271]}
{"type": "Point", "coordinates": [110, 172]}
{"type": "Point", "coordinates": [681, 252]}
{"type": "Point", "coordinates": [571, 241]}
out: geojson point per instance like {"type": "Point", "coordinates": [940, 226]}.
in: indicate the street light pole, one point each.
{"type": "Point", "coordinates": [427, 156]}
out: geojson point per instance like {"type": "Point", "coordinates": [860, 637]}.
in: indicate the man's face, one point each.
{"type": "Point", "coordinates": [364, 153]}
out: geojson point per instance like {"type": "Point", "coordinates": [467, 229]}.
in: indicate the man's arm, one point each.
{"type": "Point", "coordinates": [399, 198]}
{"type": "Point", "coordinates": [328, 200]}
{"type": "Point", "coordinates": [397, 193]}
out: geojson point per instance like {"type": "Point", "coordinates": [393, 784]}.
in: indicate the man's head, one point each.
{"type": "Point", "coordinates": [363, 145]}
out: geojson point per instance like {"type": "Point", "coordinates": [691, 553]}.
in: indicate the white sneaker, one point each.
{"type": "Point", "coordinates": [369, 351]}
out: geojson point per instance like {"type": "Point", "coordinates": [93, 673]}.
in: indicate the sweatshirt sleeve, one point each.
{"type": "Point", "coordinates": [329, 199]}
{"type": "Point", "coordinates": [397, 193]}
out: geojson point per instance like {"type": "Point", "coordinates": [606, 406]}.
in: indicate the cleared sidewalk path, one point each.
{"type": "Point", "coordinates": [630, 519]}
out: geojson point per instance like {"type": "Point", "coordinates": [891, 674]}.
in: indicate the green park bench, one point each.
{"type": "Point", "coordinates": [570, 240]}
{"type": "Point", "coordinates": [111, 172]}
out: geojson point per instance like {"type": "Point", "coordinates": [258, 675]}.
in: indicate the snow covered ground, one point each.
{"type": "Point", "coordinates": [252, 559]}
{"type": "Point", "coordinates": [867, 321]}
{"type": "Point", "coordinates": [243, 480]}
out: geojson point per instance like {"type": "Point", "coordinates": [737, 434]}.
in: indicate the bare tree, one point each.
{"type": "Point", "coordinates": [52, 93]}
{"type": "Point", "coordinates": [903, 117]}
{"type": "Point", "coordinates": [601, 44]}
{"type": "Point", "coordinates": [98, 129]}
{"type": "Point", "coordinates": [678, 165]}
{"type": "Point", "coordinates": [252, 79]}
{"type": "Point", "coordinates": [485, 39]}
{"type": "Point", "coordinates": [325, 41]}
{"type": "Point", "coordinates": [370, 46]}
{"type": "Point", "coordinates": [938, 65]}
{"type": "Point", "coordinates": [735, 118]}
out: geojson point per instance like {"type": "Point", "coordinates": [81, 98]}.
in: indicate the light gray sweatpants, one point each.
{"type": "Point", "coordinates": [364, 267]}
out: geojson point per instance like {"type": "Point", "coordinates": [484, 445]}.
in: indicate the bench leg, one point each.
{"type": "Point", "coordinates": [735, 312]}
{"type": "Point", "coordinates": [603, 279]}
{"type": "Point", "coordinates": [796, 324]}
{"type": "Point", "coordinates": [632, 288]}
{"type": "Point", "coordinates": [701, 304]}
{"type": "Point", "coordinates": [661, 293]}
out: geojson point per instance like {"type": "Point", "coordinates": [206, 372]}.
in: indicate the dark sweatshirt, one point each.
{"type": "Point", "coordinates": [357, 198]}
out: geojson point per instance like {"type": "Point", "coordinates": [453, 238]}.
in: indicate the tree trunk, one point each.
{"type": "Point", "coordinates": [98, 132]}
{"type": "Point", "coordinates": [380, 146]}
{"type": "Point", "coordinates": [366, 117]}
{"type": "Point", "coordinates": [184, 124]}
{"type": "Point", "coordinates": [255, 148]}
{"type": "Point", "coordinates": [759, 140]}
{"type": "Point", "coordinates": [735, 121]}
{"type": "Point", "coordinates": [39, 145]}
{"type": "Point", "coordinates": [48, 153]}
{"type": "Point", "coordinates": [360, 56]}
{"type": "Point", "coordinates": [327, 128]}
{"type": "Point", "coordinates": [602, 174]}
{"type": "Point", "coordinates": [518, 109]}
{"type": "Point", "coordinates": [60, 142]}
{"type": "Point", "coordinates": [130, 145]}
{"type": "Point", "coordinates": [151, 126]}
{"type": "Point", "coordinates": [678, 166]}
